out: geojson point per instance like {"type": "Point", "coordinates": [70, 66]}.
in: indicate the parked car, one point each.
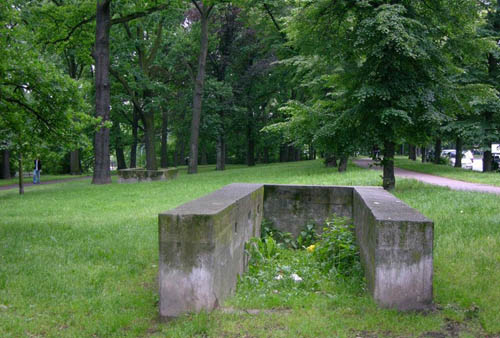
{"type": "Point", "coordinates": [467, 158]}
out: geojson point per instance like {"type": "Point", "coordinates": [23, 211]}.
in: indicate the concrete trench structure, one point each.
{"type": "Point", "coordinates": [202, 242]}
{"type": "Point", "coordinates": [135, 175]}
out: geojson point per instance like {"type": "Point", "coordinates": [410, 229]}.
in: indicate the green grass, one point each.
{"type": "Point", "coordinates": [81, 260]}
{"type": "Point", "coordinates": [43, 178]}
{"type": "Point", "coordinates": [492, 178]}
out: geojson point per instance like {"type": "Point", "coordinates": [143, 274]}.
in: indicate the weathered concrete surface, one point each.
{"type": "Point", "coordinates": [135, 175]}
{"type": "Point", "coordinates": [202, 247]}
{"type": "Point", "coordinates": [396, 244]}
{"type": "Point", "coordinates": [202, 242]}
{"type": "Point", "coordinates": [290, 207]}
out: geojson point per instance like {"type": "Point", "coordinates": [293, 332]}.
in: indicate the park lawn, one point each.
{"type": "Point", "coordinates": [492, 178]}
{"type": "Point", "coordinates": [43, 178]}
{"type": "Point", "coordinates": [81, 260]}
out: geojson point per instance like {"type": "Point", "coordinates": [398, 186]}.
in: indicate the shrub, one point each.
{"type": "Point", "coordinates": [337, 252]}
{"type": "Point", "coordinates": [307, 236]}
{"type": "Point", "coordinates": [284, 239]}
{"type": "Point", "coordinates": [261, 249]}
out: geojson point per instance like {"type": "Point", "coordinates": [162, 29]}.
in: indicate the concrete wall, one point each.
{"type": "Point", "coordinates": [202, 247]}
{"type": "Point", "coordinates": [290, 207]}
{"type": "Point", "coordinates": [202, 242]}
{"type": "Point", "coordinates": [396, 244]}
{"type": "Point", "coordinates": [135, 175]}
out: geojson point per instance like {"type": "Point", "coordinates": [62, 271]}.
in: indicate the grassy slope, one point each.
{"type": "Point", "coordinates": [492, 178]}
{"type": "Point", "coordinates": [81, 260]}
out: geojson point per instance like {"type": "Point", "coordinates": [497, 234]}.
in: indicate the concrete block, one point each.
{"type": "Point", "coordinates": [396, 245]}
{"type": "Point", "coordinates": [135, 175]}
{"type": "Point", "coordinates": [202, 247]}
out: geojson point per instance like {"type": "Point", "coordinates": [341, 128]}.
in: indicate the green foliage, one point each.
{"type": "Point", "coordinates": [284, 239]}
{"type": "Point", "coordinates": [307, 236]}
{"type": "Point", "coordinates": [337, 252]}
{"type": "Point", "coordinates": [261, 249]}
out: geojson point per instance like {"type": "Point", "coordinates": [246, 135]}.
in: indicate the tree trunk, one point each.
{"type": "Point", "coordinates": [74, 162]}
{"type": "Point", "coordinates": [458, 154]}
{"type": "Point", "coordinates": [135, 140]}
{"type": "Point", "coordinates": [149, 140]}
{"type": "Point", "coordinates": [5, 158]}
{"type": "Point", "coordinates": [117, 136]}
{"type": "Point", "coordinates": [21, 174]}
{"type": "Point", "coordinates": [437, 151]}
{"type": "Point", "coordinates": [204, 157]}
{"type": "Point", "coordinates": [283, 153]}
{"type": "Point", "coordinates": [164, 140]}
{"type": "Point", "coordinates": [412, 152]}
{"type": "Point", "coordinates": [389, 180]}
{"type": "Point", "coordinates": [198, 90]}
{"type": "Point", "coordinates": [102, 174]}
{"type": "Point", "coordinates": [265, 155]}
{"type": "Point", "coordinates": [250, 146]}
{"type": "Point", "coordinates": [343, 163]}
{"type": "Point", "coordinates": [487, 159]}
{"type": "Point", "coordinates": [221, 153]}
{"type": "Point", "coordinates": [290, 153]}
{"type": "Point", "coordinates": [424, 155]}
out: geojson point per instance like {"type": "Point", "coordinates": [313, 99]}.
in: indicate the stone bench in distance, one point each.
{"type": "Point", "coordinates": [135, 175]}
{"type": "Point", "coordinates": [202, 241]}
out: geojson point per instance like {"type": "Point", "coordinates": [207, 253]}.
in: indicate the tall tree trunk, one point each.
{"type": "Point", "coordinates": [487, 159]}
{"type": "Point", "coordinates": [164, 140]}
{"type": "Point", "coordinates": [135, 139]}
{"type": "Point", "coordinates": [204, 157]}
{"type": "Point", "coordinates": [149, 140]}
{"type": "Point", "coordinates": [21, 174]}
{"type": "Point", "coordinates": [389, 180]}
{"type": "Point", "coordinates": [120, 156]}
{"type": "Point", "coordinates": [343, 163]}
{"type": "Point", "coordinates": [458, 154]}
{"type": "Point", "coordinates": [283, 153]}
{"type": "Point", "coordinates": [250, 146]}
{"type": "Point", "coordinates": [412, 152]}
{"type": "Point", "coordinates": [75, 166]}
{"type": "Point", "coordinates": [198, 90]}
{"type": "Point", "coordinates": [424, 155]}
{"type": "Point", "coordinates": [102, 174]}
{"type": "Point", "coordinates": [5, 158]}
{"type": "Point", "coordinates": [437, 151]}
{"type": "Point", "coordinates": [290, 153]}
{"type": "Point", "coordinates": [265, 154]}
{"type": "Point", "coordinates": [221, 153]}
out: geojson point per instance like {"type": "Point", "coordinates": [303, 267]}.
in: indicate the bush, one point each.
{"type": "Point", "coordinates": [307, 236]}
{"type": "Point", "coordinates": [337, 252]}
{"type": "Point", "coordinates": [284, 239]}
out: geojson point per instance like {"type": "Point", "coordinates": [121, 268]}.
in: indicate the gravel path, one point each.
{"type": "Point", "coordinates": [432, 179]}
{"type": "Point", "coordinates": [29, 184]}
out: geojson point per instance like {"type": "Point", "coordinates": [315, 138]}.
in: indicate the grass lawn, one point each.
{"type": "Point", "coordinates": [81, 260]}
{"type": "Point", "coordinates": [492, 178]}
{"type": "Point", "coordinates": [43, 178]}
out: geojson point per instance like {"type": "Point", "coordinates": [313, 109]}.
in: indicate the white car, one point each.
{"type": "Point", "coordinates": [467, 158]}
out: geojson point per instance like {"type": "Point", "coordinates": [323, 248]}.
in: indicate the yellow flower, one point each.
{"type": "Point", "coordinates": [311, 248]}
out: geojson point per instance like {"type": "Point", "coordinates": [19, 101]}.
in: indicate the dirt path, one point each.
{"type": "Point", "coordinates": [26, 184]}
{"type": "Point", "coordinates": [432, 179]}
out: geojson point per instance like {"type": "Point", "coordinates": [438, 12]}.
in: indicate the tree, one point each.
{"type": "Point", "coordinates": [392, 60]}
{"type": "Point", "coordinates": [204, 9]}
